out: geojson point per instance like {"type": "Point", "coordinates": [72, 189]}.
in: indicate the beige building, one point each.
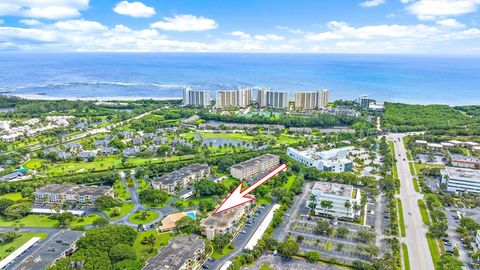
{"type": "Point", "coordinates": [223, 223]}
{"type": "Point", "coordinates": [254, 167]}
{"type": "Point", "coordinates": [182, 178]}
{"type": "Point", "coordinates": [311, 100]}
{"type": "Point", "coordinates": [182, 253]}
{"type": "Point", "coordinates": [240, 98]}
{"type": "Point", "coordinates": [58, 194]}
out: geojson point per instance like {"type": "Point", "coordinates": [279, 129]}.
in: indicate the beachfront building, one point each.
{"type": "Point", "coordinates": [196, 98]}
{"type": "Point", "coordinates": [58, 194]}
{"type": "Point", "coordinates": [463, 161]}
{"type": "Point", "coordinates": [267, 98]}
{"type": "Point", "coordinates": [182, 178]}
{"type": "Point", "coordinates": [334, 160]}
{"type": "Point", "coordinates": [338, 195]}
{"type": "Point", "coordinates": [311, 100]}
{"type": "Point", "coordinates": [364, 102]}
{"type": "Point", "coordinates": [181, 253]}
{"type": "Point", "coordinates": [223, 223]}
{"type": "Point", "coordinates": [254, 167]}
{"type": "Point", "coordinates": [227, 99]}
{"type": "Point", "coordinates": [460, 180]}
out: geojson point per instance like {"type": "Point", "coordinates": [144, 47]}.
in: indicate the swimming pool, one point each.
{"type": "Point", "coordinates": [192, 215]}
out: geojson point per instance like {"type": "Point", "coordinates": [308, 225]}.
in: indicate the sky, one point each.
{"type": "Point", "coordinates": [445, 27]}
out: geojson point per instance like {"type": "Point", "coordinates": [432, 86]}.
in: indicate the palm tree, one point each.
{"type": "Point", "coordinates": [348, 205]}
{"type": "Point", "coordinates": [323, 204]}
{"type": "Point", "coordinates": [355, 208]}
{"type": "Point", "coordinates": [313, 202]}
{"type": "Point", "coordinates": [329, 205]}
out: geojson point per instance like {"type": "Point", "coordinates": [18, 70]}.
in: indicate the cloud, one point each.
{"type": "Point", "coordinates": [134, 9]}
{"type": "Point", "coordinates": [48, 9]}
{"type": "Point", "coordinates": [450, 23]}
{"type": "Point", "coordinates": [30, 22]}
{"type": "Point", "coordinates": [431, 9]}
{"type": "Point", "coordinates": [290, 30]}
{"type": "Point", "coordinates": [271, 37]}
{"type": "Point", "coordinates": [80, 26]}
{"type": "Point", "coordinates": [341, 30]}
{"type": "Point", "coordinates": [240, 34]}
{"type": "Point", "coordinates": [372, 3]}
{"type": "Point", "coordinates": [2, 21]}
{"type": "Point", "coordinates": [184, 23]}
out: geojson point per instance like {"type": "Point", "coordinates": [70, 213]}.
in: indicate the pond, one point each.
{"type": "Point", "coordinates": [226, 142]}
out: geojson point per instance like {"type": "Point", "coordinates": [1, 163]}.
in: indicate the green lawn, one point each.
{"type": "Point", "coordinates": [124, 210]}
{"type": "Point", "coordinates": [194, 201]}
{"type": "Point", "coordinates": [42, 221]}
{"type": "Point", "coordinates": [143, 251]}
{"type": "Point", "coordinates": [7, 248]}
{"type": "Point", "coordinates": [400, 217]}
{"type": "Point", "coordinates": [120, 191]}
{"type": "Point", "coordinates": [84, 221]}
{"type": "Point", "coordinates": [406, 261]}
{"type": "Point", "coordinates": [290, 181]}
{"type": "Point", "coordinates": [415, 184]}
{"type": "Point", "coordinates": [16, 196]}
{"type": "Point", "coordinates": [419, 166]}
{"type": "Point", "coordinates": [412, 168]}
{"type": "Point", "coordinates": [225, 251]}
{"type": "Point", "coordinates": [137, 217]}
{"type": "Point", "coordinates": [231, 136]}
{"type": "Point", "coordinates": [434, 252]}
{"type": "Point", "coordinates": [423, 212]}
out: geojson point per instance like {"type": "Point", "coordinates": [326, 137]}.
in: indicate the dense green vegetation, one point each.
{"type": "Point", "coordinates": [437, 119]}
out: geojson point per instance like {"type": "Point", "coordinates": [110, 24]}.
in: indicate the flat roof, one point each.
{"type": "Point", "coordinates": [19, 251]}
{"type": "Point", "coordinates": [51, 250]}
{"type": "Point", "coordinates": [73, 189]}
{"type": "Point", "coordinates": [180, 174]}
{"type": "Point", "coordinates": [462, 174]}
{"type": "Point", "coordinates": [333, 189]}
{"type": "Point", "coordinates": [224, 219]}
{"type": "Point", "coordinates": [261, 229]}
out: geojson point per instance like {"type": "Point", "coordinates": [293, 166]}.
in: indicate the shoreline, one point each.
{"type": "Point", "coordinates": [118, 98]}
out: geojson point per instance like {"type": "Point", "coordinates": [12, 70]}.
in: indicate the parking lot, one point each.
{"type": "Point", "coordinates": [297, 223]}
{"type": "Point", "coordinates": [241, 239]}
{"type": "Point", "coordinates": [279, 263]}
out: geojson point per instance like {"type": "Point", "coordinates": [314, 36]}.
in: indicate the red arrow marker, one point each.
{"type": "Point", "coordinates": [238, 197]}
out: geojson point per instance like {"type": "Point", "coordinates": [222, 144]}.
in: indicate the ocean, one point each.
{"type": "Point", "coordinates": [453, 80]}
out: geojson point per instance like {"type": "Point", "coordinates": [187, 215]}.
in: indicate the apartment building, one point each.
{"type": "Point", "coordinates": [267, 98]}
{"type": "Point", "coordinates": [223, 223]}
{"type": "Point", "coordinates": [364, 102]}
{"type": "Point", "coordinates": [463, 161]}
{"type": "Point", "coordinates": [255, 166]}
{"type": "Point", "coordinates": [58, 194]}
{"type": "Point", "coordinates": [312, 100]}
{"type": "Point", "coordinates": [460, 180]}
{"type": "Point", "coordinates": [338, 194]}
{"type": "Point", "coordinates": [196, 98]}
{"type": "Point", "coordinates": [334, 160]}
{"type": "Point", "coordinates": [227, 99]}
{"type": "Point", "coordinates": [182, 178]}
{"type": "Point", "coordinates": [181, 253]}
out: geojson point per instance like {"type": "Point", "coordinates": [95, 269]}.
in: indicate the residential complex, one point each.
{"type": "Point", "coordinates": [58, 194]}
{"type": "Point", "coordinates": [223, 223]}
{"type": "Point", "coordinates": [180, 179]}
{"type": "Point", "coordinates": [267, 98]}
{"type": "Point", "coordinates": [255, 166]}
{"type": "Point", "coordinates": [338, 194]}
{"type": "Point", "coordinates": [465, 161]}
{"type": "Point", "coordinates": [196, 98]}
{"type": "Point", "coordinates": [460, 180]}
{"type": "Point", "coordinates": [240, 98]}
{"type": "Point", "coordinates": [182, 253]}
{"type": "Point", "coordinates": [311, 100]}
{"type": "Point", "coordinates": [334, 160]}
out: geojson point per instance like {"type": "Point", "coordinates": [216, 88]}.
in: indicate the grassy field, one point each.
{"type": "Point", "coordinates": [124, 210]}
{"type": "Point", "coordinates": [7, 248]}
{"type": "Point", "coordinates": [42, 221]}
{"type": "Point", "coordinates": [419, 166]}
{"type": "Point", "coordinates": [16, 196]}
{"type": "Point", "coordinates": [143, 251]}
{"type": "Point", "coordinates": [225, 251]}
{"type": "Point", "coordinates": [415, 184]}
{"type": "Point", "coordinates": [406, 261]}
{"type": "Point", "coordinates": [231, 136]}
{"type": "Point", "coordinates": [423, 212]}
{"type": "Point", "coordinates": [412, 168]}
{"type": "Point", "coordinates": [195, 201]}
{"type": "Point", "coordinates": [137, 217]}
{"type": "Point", "coordinates": [434, 252]}
{"type": "Point", "coordinates": [120, 191]}
{"type": "Point", "coordinates": [400, 217]}
{"type": "Point", "coordinates": [290, 181]}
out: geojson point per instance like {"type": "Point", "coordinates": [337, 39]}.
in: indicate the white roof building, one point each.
{"type": "Point", "coordinates": [460, 180]}
{"type": "Point", "coordinates": [338, 194]}
{"type": "Point", "coordinates": [334, 160]}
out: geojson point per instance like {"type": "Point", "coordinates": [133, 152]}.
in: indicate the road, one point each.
{"type": "Point", "coordinates": [415, 239]}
